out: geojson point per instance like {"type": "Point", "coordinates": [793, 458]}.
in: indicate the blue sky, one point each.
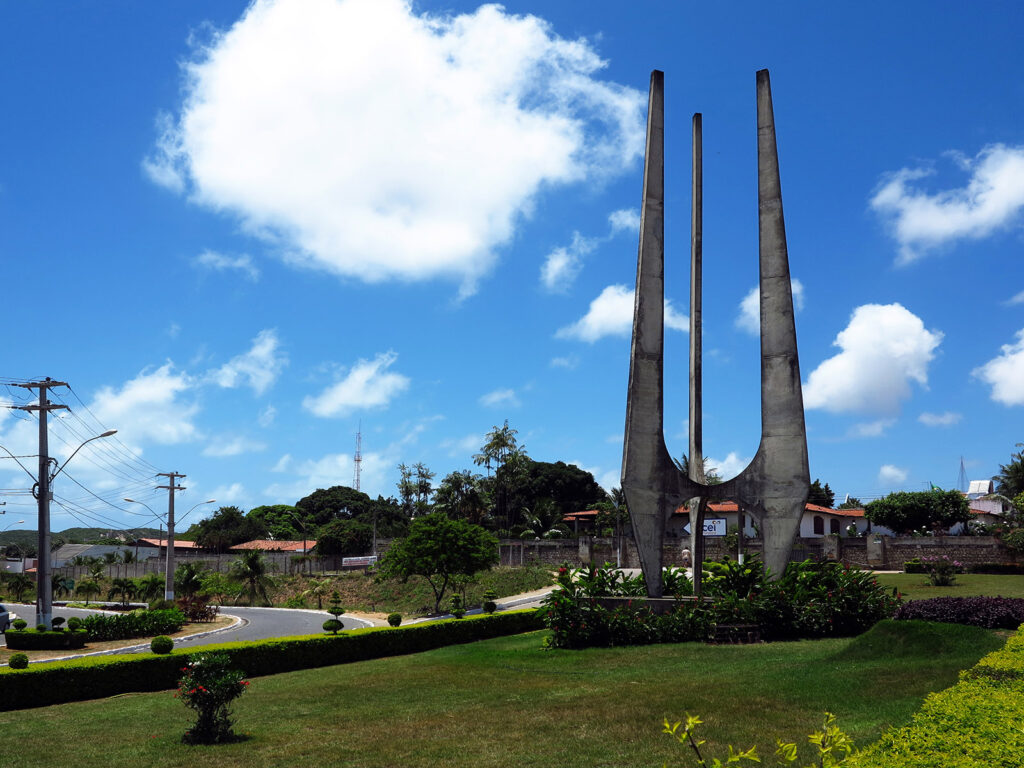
{"type": "Point", "coordinates": [240, 231]}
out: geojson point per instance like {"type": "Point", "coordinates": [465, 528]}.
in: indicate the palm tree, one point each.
{"type": "Point", "coordinates": [19, 584]}
{"type": "Point", "coordinates": [123, 587]}
{"type": "Point", "coordinates": [97, 568]}
{"type": "Point", "coordinates": [545, 521]}
{"type": "Point", "coordinates": [1010, 480]}
{"type": "Point", "coordinates": [149, 587]}
{"type": "Point", "coordinates": [61, 585]}
{"type": "Point", "coordinates": [188, 578]}
{"type": "Point", "coordinates": [128, 557]}
{"type": "Point", "coordinates": [87, 587]}
{"type": "Point", "coordinates": [251, 573]}
{"type": "Point", "coordinates": [318, 589]}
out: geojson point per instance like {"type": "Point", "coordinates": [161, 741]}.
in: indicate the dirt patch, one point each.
{"type": "Point", "coordinates": [111, 645]}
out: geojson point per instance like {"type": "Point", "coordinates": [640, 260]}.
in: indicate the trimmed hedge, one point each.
{"type": "Point", "coordinates": [96, 677]}
{"type": "Point", "coordinates": [998, 569]}
{"type": "Point", "coordinates": [977, 722]}
{"type": "Point", "coordinates": [33, 640]}
{"type": "Point", "coordinates": [989, 612]}
{"type": "Point", "coordinates": [143, 623]}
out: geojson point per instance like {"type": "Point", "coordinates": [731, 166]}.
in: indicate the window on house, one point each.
{"type": "Point", "coordinates": [819, 526]}
{"type": "Point", "coordinates": [833, 526]}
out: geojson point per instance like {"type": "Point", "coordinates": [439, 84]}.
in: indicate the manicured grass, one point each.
{"type": "Point", "coordinates": [915, 586]}
{"type": "Point", "coordinates": [508, 702]}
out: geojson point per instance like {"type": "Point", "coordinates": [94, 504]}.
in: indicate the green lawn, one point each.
{"type": "Point", "coordinates": [506, 702]}
{"type": "Point", "coordinates": [915, 586]}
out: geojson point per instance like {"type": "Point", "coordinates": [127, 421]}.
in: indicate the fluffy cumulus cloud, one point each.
{"type": "Point", "coordinates": [232, 446]}
{"type": "Point", "coordinates": [749, 317]}
{"type": "Point", "coordinates": [563, 264]}
{"type": "Point", "coordinates": [992, 199]}
{"type": "Point", "coordinates": [501, 398]}
{"type": "Point", "coordinates": [944, 419]}
{"type": "Point", "coordinates": [369, 384]}
{"type": "Point", "coordinates": [377, 142]}
{"type": "Point", "coordinates": [151, 407]}
{"type": "Point", "coordinates": [219, 262]}
{"type": "Point", "coordinates": [331, 469]}
{"type": "Point", "coordinates": [728, 467]}
{"type": "Point", "coordinates": [1005, 374]}
{"type": "Point", "coordinates": [884, 349]}
{"type": "Point", "coordinates": [611, 314]}
{"type": "Point", "coordinates": [258, 368]}
{"type": "Point", "coordinates": [889, 474]}
{"type": "Point", "coordinates": [871, 428]}
{"type": "Point", "coordinates": [624, 220]}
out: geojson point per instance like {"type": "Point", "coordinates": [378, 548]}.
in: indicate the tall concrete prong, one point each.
{"type": "Point", "coordinates": [698, 506]}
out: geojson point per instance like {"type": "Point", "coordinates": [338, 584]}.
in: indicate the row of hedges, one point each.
{"type": "Point", "coordinates": [100, 676]}
{"type": "Point", "coordinates": [34, 640]}
{"type": "Point", "coordinates": [989, 612]}
{"type": "Point", "coordinates": [916, 566]}
{"type": "Point", "coordinates": [977, 722]}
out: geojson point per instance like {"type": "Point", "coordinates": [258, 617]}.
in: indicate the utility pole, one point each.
{"type": "Point", "coordinates": [44, 589]}
{"type": "Point", "coordinates": [170, 488]}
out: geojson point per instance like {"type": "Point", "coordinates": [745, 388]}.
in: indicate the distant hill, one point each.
{"type": "Point", "coordinates": [30, 538]}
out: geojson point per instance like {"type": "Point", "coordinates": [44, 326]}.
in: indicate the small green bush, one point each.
{"type": "Point", "coordinates": [395, 619]}
{"type": "Point", "coordinates": [57, 623]}
{"type": "Point", "coordinates": [208, 686]}
{"type": "Point", "coordinates": [74, 623]}
{"type": "Point", "coordinates": [333, 626]}
{"type": "Point", "coordinates": [134, 624]}
{"type": "Point", "coordinates": [41, 628]}
{"type": "Point", "coordinates": [18, 661]}
{"type": "Point", "coordinates": [161, 644]}
{"type": "Point", "coordinates": [19, 623]}
{"type": "Point", "coordinates": [489, 606]}
{"type": "Point", "coordinates": [24, 640]}
{"type": "Point", "coordinates": [161, 604]}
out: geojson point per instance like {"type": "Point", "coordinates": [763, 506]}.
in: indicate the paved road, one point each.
{"type": "Point", "coordinates": [257, 623]}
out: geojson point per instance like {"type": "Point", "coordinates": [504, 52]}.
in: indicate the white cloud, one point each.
{"type": "Point", "coordinates": [871, 428]}
{"type": "Point", "coordinates": [1017, 299]}
{"type": "Point", "coordinates": [375, 142]}
{"type": "Point", "coordinates": [463, 446]}
{"type": "Point", "coordinates": [267, 415]}
{"type": "Point", "coordinates": [500, 398]}
{"type": "Point", "coordinates": [227, 495]}
{"type": "Point", "coordinates": [728, 467]}
{"type": "Point", "coordinates": [149, 407]}
{"type": "Point", "coordinates": [562, 266]}
{"type": "Point", "coordinates": [1005, 374]}
{"type": "Point", "coordinates": [232, 446]}
{"type": "Point", "coordinates": [331, 469]}
{"type": "Point", "coordinates": [569, 363]}
{"type": "Point", "coordinates": [749, 318]}
{"type": "Point", "coordinates": [218, 262]}
{"type": "Point", "coordinates": [945, 419]}
{"type": "Point", "coordinates": [611, 314]}
{"type": "Point", "coordinates": [368, 384]}
{"type": "Point", "coordinates": [884, 349]}
{"type": "Point", "coordinates": [992, 199]}
{"type": "Point", "coordinates": [889, 475]}
{"type": "Point", "coordinates": [257, 368]}
{"type": "Point", "coordinates": [625, 220]}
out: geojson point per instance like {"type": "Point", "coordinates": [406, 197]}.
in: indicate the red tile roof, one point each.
{"type": "Point", "coordinates": [178, 543]}
{"type": "Point", "coordinates": [272, 545]}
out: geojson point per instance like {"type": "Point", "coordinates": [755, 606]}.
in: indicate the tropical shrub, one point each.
{"type": "Point", "coordinates": [395, 619]}
{"type": "Point", "coordinates": [161, 644]}
{"type": "Point", "coordinates": [18, 661]}
{"type": "Point", "coordinates": [208, 685]}
{"type": "Point", "coordinates": [990, 612]}
{"type": "Point", "coordinates": [196, 608]}
{"type": "Point", "coordinates": [941, 570]}
{"type": "Point", "coordinates": [135, 624]}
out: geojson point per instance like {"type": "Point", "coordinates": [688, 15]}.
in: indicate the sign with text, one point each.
{"type": "Point", "coordinates": [713, 526]}
{"type": "Point", "coordinates": [354, 562]}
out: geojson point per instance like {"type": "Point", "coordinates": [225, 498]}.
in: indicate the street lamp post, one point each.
{"type": "Point", "coordinates": [16, 522]}
{"type": "Point", "coordinates": [305, 554]}
{"type": "Point", "coordinates": [168, 562]}
{"type": "Point", "coordinates": [44, 566]}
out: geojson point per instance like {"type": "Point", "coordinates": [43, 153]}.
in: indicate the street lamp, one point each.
{"type": "Point", "coordinates": [305, 554]}
{"type": "Point", "coordinates": [16, 522]}
{"type": "Point", "coordinates": [44, 588]}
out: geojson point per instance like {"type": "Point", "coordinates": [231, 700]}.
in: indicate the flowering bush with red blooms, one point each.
{"type": "Point", "coordinates": [208, 685]}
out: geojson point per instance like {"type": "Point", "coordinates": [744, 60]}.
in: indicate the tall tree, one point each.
{"type": "Point", "coordinates": [852, 502]}
{"type": "Point", "coordinates": [1010, 480]}
{"type": "Point", "coordinates": [282, 522]}
{"type": "Point", "coordinates": [460, 496]}
{"type": "Point", "coordinates": [252, 574]}
{"type": "Point", "coordinates": [423, 489]}
{"type": "Point", "coordinates": [906, 511]}
{"type": "Point", "coordinates": [336, 502]}
{"type": "Point", "coordinates": [440, 549]}
{"type": "Point", "coordinates": [503, 453]}
{"type": "Point", "coordinates": [344, 537]}
{"type": "Point", "coordinates": [823, 496]}
{"type": "Point", "coordinates": [407, 489]}
{"type": "Point", "coordinates": [227, 527]}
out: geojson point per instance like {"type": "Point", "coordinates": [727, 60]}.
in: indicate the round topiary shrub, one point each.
{"type": "Point", "coordinates": [394, 619]}
{"type": "Point", "coordinates": [490, 606]}
{"type": "Point", "coordinates": [18, 661]}
{"type": "Point", "coordinates": [161, 644]}
{"type": "Point", "coordinates": [74, 623]}
{"type": "Point", "coordinates": [19, 624]}
{"type": "Point", "coordinates": [57, 623]}
{"type": "Point", "coordinates": [40, 628]}
{"type": "Point", "coordinates": [332, 626]}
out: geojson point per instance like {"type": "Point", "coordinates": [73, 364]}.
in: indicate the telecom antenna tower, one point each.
{"type": "Point", "coordinates": [358, 460]}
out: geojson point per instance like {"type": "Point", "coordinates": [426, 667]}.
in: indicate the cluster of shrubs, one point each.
{"type": "Point", "coordinates": [195, 608]}
{"type": "Point", "coordinates": [41, 639]}
{"type": "Point", "coordinates": [989, 612]}
{"type": "Point", "coordinates": [812, 599]}
{"type": "Point", "coordinates": [137, 624]}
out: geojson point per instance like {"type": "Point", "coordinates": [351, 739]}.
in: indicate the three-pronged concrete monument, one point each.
{"type": "Point", "coordinates": [774, 486]}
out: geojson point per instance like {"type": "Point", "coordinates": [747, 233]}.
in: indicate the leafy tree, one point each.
{"type": "Point", "coordinates": [61, 585]}
{"type": "Point", "coordinates": [503, 452]}
{"type": "Point", "coordinates": [227, 527]}
{"type": "Point", "coordinates": [822, 496]}
{"type": "Point", "coordinates": [217, 586]}
{"type": "Point", "coordinates": [344, 537]}
{"type": "Point", "coordinates": [87, 588]}
{"type": "Point", "coordinates": [188, 578]}
{"type": "Point", "coordinates": [19, 584]}
{"type": "Point", "coordinates": [318, 588]}
{"type": "Point", "coordinates": [440, 549]}
{"type": "Point", "coordinates": [568, 487]}
{"type": "Point", "coordinates": [461, 496]}
{"type": "Point", "coordinates": [852, 502]}
{"type": "Point", "coordinates": [336, 502]}
{"type": "Point", "coordinates": [1010, 480]}
{"type": "Point", "coordinates": [906, 511]}
{"type": "Point", "coordinates": [544, 521]}
{"type": "Point", "coordinates": [251, 573]}
{"type": "Point", "coordinates": [423, 488]}
{"type": "Point", "coordinates": [279, 520]}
